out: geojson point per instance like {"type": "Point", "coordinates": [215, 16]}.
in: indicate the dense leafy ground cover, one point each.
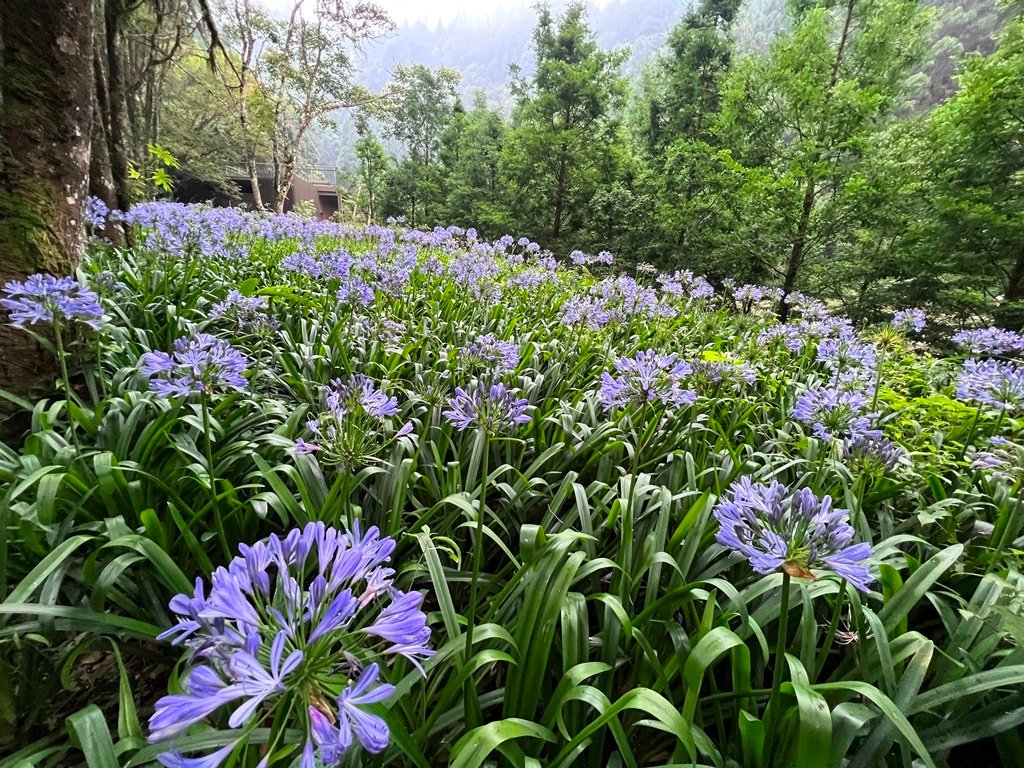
{"type": "Point", "coordinates": [648, 525]}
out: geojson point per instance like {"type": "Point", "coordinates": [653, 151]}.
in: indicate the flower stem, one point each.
{"type": "Point", "coordinates": [1002, 533]}
{"type": "Point", "coordinates": [473, 715]}
{"type": "Point", "coordinates": [970, 434]}
{"type": "Point", "coordinates": [833, 627]}
{"type": "Point", "coordinates": [878, 378]}
{"type": "Point", "coordinates": [780, 641]}
{"type": "Point", "coordinates": [207, 432]}
{"type": "Point", "coordinates": [65, 380]}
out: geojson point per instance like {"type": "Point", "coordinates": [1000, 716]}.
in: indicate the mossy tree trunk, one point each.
{"type": "Point", "coordinates": [46, 82]}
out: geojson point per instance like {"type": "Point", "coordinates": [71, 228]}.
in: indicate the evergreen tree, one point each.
{"type": "Point", "coordinates": [560, 126]}
{"type": "Point", "coordinates": [474, 188]}
{"type": "Point", "coordinates": [685, 96]}
{"type": "Point", "coordinates": [373, 167]}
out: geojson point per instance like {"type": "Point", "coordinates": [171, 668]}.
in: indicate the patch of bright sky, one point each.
{"type": "Point", "coordinates": [431, 12]}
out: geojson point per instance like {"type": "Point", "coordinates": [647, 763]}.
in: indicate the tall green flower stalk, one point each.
{"type": "Point", "coordinates": [473, 711]}
{"type": "Point", "coordinates": [65, 380]}
{"type": "Point", "coordinates": [211, 474]}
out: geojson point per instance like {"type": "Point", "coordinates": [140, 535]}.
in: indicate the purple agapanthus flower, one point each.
{"type": "Point", "coordinates": [360, 391]}
{"type": "Point", "coordinates": [792, 337]}
{"type": "Point", "coordinates": [588, 311]}
{"type": "Point", "coordinates": [735, 374]}
{"type": "Point", "coordinates": [355, 289]}
{"type": "Point", "coordinates": [990, 341]}
{"type": "Point", "coordinates": [775, 529]}
{"type": "Point", "coordinates": [353, 722]}
{"type": "Point", "coordinates": [1002, 458]}
{"type": "Point", "coordinates": [249, 313]}
{"type": "Point", "coordinates": [874, 449]}
{"type": "Point", "coordinates": [647, 377]}
{"type": "Point", "coordinates": [356, 424]}
{"type": "Point", "coordinates": [96, 212]}
{"type": "Point", "coordinates": [286, 620]}
{"type": "Point", "coordinates": [911, 320]}
{"type": "Point", "coordinates": [493, 407]}
{"type": "Point", "coordinates": [851, 362]}
{"type": "Point", "coordinates": [46, 299]}
{"type": "Point", "coordinates": [835, 413]}
{"type": "Point", "coordinates": [494, 356]}
{"type": "Point", "coordinates": [994, 383]}
{"type": "Point", "coordinates": [198, 364]}
{"type": "Point", "coordinates": [212, 760]}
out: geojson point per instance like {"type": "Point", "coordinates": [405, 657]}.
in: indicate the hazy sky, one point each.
{"type": "Point", "coordinates": [431, 11]}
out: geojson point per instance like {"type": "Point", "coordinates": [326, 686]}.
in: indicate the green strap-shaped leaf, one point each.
{"type": "Point", "coordinates": [90, 730]}
{"type": "Point", "coordinates": [889, 709]}
{"type": "Point", "coordinates": [900, 604]}
{"type": "Point", "coordinates": [707, 652]}
{"type": "Point", "coordinates": [476, 746]}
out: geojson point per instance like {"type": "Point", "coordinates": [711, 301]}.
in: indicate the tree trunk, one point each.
{"type": "Point", "coordinates": [282, 183]}
{"type": "Point", "coordinates": [1010, 314]}
{"type": "Point", "coordinates": [1015, 282]}
{"type": "Point", "coordinates": [254, 179]}
{"type": "Point", "coordinates": [45, 132]}
{"type": "Point", "coordinates": [117, 140]}
{"type": "Point", "coordinates": [560, 180]}
{"type": "Point", "coordinates": [796, 253]}
{"type": "Point", "coordinates": [101, 176]}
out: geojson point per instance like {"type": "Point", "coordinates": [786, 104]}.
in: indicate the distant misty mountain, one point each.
{"type": "Point", "coordinates": [482, 48]}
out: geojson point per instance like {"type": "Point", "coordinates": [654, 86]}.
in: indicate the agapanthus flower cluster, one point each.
{"type": "Point", "coordinates": [795, 532]}
{"type": "Point", "coordinates": [734, 374]}
{"type": "Point", "coordinates": [199, 364]}
{"type": "Point", "coordinates": [808, 307]}
{"type": "Point", "coordinates": [95, 212]}
{"type": "Point", "coordinates": [585, 259]}
{"type": "Point", "coordinates": [390, 333]}
{"type": "Point", "coordinates": [852, 363]}
{"type": "Point", "coordinates": [492, 407]}
{"type": "Point", "coordinates": [685, 284]}
{"type": "Point", "coordinates": [532, 278]}
{"type": "Point", "coordinates": [587, 311]}
{"type": "Point", "coordinates": [490, 355]}
{"type": "Point", "coordinates": [248, 313]}
{"type": "Point", "coordinates": [353, 289]}
{"type": "Point", "coordinates": [647, 377]}
{"type": "Point", "coordinates": [995, 383]}
{"type": "Point", "coordinates": [294, 626]}
{"type": "Point", "coordinates": [749, 295]}
{"type": "Point", "coordinates": [477, 271]}
{"type": "Point", "coordinates": [625, 298]}
{"type": "Point", "coordinates": [525, 242]}
{"type": "Point", "coordinates": [356, 423]}
{"type": "Point", "coordinates": [911, 320]}
{"type": "Point", "coordinates": [1002, 458]}
{"type": "Point", "coordinates": [874, 451]}
{"type": "Point", "coordinates": [48, 299]}
{"type": "Point", "coordinates": [834, 413]}
{"type": "Point", "coordinates": [990, 341]}
{"type": "Point", "coordinates": [791, 336]}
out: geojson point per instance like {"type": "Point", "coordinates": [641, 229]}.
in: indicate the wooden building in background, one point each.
{"type": "Point", "coordinates": [316, 185]}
